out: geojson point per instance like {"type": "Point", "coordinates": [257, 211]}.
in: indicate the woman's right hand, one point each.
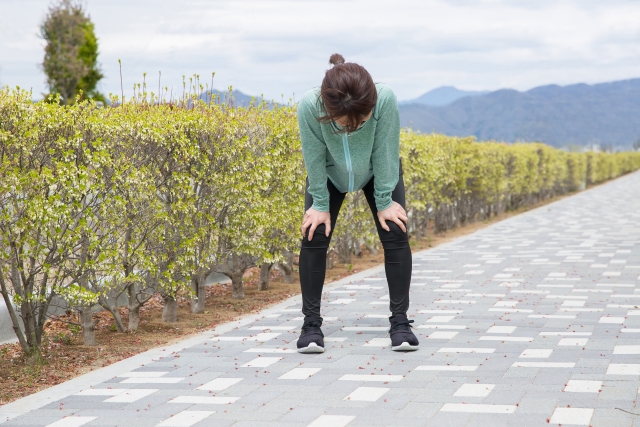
{"type": "Point", "coordinates": [313, 218]}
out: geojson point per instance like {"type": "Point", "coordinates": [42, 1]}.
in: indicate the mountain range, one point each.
{"type": "Point", "coordinates": [579, 114]}
{"type": "Point", "coordinates": [442, 96]}
{"type": "Point", "coordinates": [606, 114]}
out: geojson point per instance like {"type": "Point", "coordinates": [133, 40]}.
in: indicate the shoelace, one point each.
{"type": "Point", "coordinates": [401, 325]}
{"type": "Point", "coordinates": [312, 327]}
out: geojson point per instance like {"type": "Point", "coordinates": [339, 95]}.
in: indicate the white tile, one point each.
{"type": "Point", "coordinates": [611, 273]}
{"type": "Point", "coordinates": [580, 310]}
{"type": "Point", "coordinates": [366, 328]}
{"type": "Point", "coordinates": [557, 274]}
{"type": "Point", "coordinates": [219, 384]}
{"type": "Point", "coordinates": [71, 422]}
{"type": "Point", "coordinates": [273, 328]}
{"type": "Point", "coordinates": [442, 335]}
{"type": "Point", "coordinates": [554, 286]}
{"type": "Point", "coordinates": [582, 386]}
{"type": "Point", "coordinates": [572, 416]}
{"type": "Point", "coordinates": [466, 350]}
{"type": "Point", "coordinates": [131, 395]}
{"type": "Point", "coordinates": [444, 319]}
{"type": "Point", "coordinates": [454, 301]}
{"type": "Point", "coordinates": [564, 334]}
{"type": "Point", "coordinates": [542, 365]}
{"type": "Point", "coordinates": [204, 400]}
{"type": "Point", "coordinates": [376, 316]}
{"type": "Point", "coordinates": [474, 390]}
{"type": "Point", "coordinates": [570, 303]}
{"type": "Point", "coordinates": [343, 301]}
{"type": "Point", "coordinates": [299, 373]}
{"type": "Point", "coordinates": [273, 316]}
{"type": "Point", "coordinates": [616, 320]}
{"type": "Point", "coordinates": [102, 391]}
{"type": "Point", "coordinates": [150, 374]}
{"type": "Point", "coordinates": [185, 418]}
{"type": "Point", "coordinates": [332, 421]}
{"type": "Point", "coordinates": [629, 330]}
{"type": "Point", "coordinates": [505, 304]}
{"type": "Point", "coordinates": [567, 297]}
{"type": "Point", "coordinates": [478, 408]}
{"type": "Point", "coordinates": [441, 311]}
{"type": "Point", "coordinates": [503, 275]}
{"type": "Point", "coordinates": [512, 269]}
{"type": "Point", "coordinates": [367, 394]}
{"type": "Point", "coordinates": [261, 362]}
{"type": "Point", "coordinates": [501, 329]}
{"type": "Point", "coordinates": [581, 342]}
{"type": "Point", "coordinates": [599, 265]}
{"type": "Point", "coordinates": [151, 381]}
{"type": "Point", "coordinates": [370, 378]}
{"type": "Point", "coordinates": [335, 339]}
{"type": "Point", "coordinates": [270, 350]}
{"type": "Point", "coordinates": [474, 272]}
{"type": "Point", "coordinates": [537, 353]}
{"type": "Point", "coordinates": [378, 342]}
{"type": "Point", "coordinates": [445, 368]}
{"type": "Point", "coordinates": [503, 338]}
{"type": "Point", "coordinates": [623, 369]}
{"type": "Point", "coordinates": [364, 286]}
{"type": "Point", "coordinates": [261, 337]}
{"type": "Point", "coordinates": [441, 327]}
{"type": "Point", "coordinates": [551, 316]}
{"type": "Point", "coordinates": [626, 349]}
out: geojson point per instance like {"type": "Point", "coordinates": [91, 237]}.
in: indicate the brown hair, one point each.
{"type": "Point", "coordinates": [347, 92]}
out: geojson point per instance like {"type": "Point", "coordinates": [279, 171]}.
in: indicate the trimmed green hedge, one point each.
{"type": "Point", "coordinates": [144, 199]}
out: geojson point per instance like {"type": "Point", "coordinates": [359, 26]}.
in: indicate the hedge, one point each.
{"type": "Point", "coordinates": [143, 198]}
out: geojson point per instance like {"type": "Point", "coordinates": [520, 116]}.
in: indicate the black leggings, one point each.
{"type": "Point", "coordinates": [397, 253]}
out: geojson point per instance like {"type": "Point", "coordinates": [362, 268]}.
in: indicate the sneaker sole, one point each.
{"type": "Point", "coordinates": [405, 346]}
{"type": "Point", "coordinates": [311, 348]}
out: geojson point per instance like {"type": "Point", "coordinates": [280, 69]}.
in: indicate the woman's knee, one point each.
{"type": "Point", "coordinates": [394, 238]}
{"type": "Point", "coordinates": [319, 238]}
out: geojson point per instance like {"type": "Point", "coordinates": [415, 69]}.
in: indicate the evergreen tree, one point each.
{"type": "Point", "coordinates": [71, 54]}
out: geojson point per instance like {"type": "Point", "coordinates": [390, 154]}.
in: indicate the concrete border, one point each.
{"type": "Point", "coordinates": [42, 398]}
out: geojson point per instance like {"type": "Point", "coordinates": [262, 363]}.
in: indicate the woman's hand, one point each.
{"type": "Point", "coordinates": [395, 213]}
{"type": "Point", "coordinates": [315, 218]}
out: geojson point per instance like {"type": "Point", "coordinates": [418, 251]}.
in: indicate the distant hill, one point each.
{"type": "Point", "coordinates": [580, 114]}
{"type": "Point", "coordinates": [442, 96]}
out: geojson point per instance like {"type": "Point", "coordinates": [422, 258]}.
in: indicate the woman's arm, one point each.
{"type": "Point", "coordinates": [385, 155]}
{"type": "Point", "coordinates": [314, 152]}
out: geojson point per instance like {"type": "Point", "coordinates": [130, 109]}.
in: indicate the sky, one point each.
{"type": "Point", "coordinates": [281, 48]}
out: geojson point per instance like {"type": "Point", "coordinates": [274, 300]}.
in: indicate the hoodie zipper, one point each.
{"type": "Point", "coordinates": [347, 156]}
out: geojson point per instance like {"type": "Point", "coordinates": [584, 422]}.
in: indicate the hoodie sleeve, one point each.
{"type": "Point", "coordinates": [314, 151]}
{"type": "Point", "coordinates": [385, 156]}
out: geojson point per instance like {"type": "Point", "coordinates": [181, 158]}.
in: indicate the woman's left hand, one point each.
{"type": "Point", "coordinates": [395, 213]}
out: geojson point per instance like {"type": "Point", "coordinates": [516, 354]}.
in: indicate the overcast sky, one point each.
{"type": "Point", "coordinates": [281, 47]}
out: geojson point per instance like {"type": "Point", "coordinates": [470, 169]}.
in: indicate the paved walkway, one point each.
{"type": "Point", "coordinates": [534, 321]}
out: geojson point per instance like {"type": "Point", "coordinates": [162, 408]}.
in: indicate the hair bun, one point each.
{"type": "Point", "coordinates": [336, 58]}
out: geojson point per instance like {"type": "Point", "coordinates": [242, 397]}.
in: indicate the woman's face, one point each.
{"type": "Point", "coordinates": [341, 121]}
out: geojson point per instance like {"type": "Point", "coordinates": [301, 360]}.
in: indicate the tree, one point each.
{"type": "Point", "coordinates": [636, 145]}
{"type": "Point", "coordinates": [71, 54]}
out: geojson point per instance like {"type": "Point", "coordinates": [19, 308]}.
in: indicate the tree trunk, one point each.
{"type": "Point", "coordinates": [287, 268]}
{"type": "Point", "coordinates": [115, 313]}
{"type": "Point", "coordinates": [170, 309]}
{"type": "Point", "coordinates": [199, 288]}
{"type": "Point", "coordinates": [265, 277]}
{"type": "Point", "coordinates": [134, 309]}
{"type": "Point", "coordinates": [237, 288]}
{"type": "Point", "coordinates": [88, 327]}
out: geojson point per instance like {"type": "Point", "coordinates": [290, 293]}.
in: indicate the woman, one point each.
{"type": "Point", "coordinates": [350, 131]}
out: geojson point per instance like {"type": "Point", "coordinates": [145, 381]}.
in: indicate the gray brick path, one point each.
{"type": "Point", "coordinates": [534, 321]}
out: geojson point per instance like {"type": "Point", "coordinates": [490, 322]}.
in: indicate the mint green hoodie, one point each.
{"type": "Point", "coordinates": [351, 160]}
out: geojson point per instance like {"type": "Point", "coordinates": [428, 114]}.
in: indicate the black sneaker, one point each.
{"type": "Point", "coordinates": [311, 337]}
{"type": "Point", "coordinates": [402, 338]}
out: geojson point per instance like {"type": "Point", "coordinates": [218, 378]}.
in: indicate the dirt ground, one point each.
{"type": "Point", "coordinates": [65, 357]}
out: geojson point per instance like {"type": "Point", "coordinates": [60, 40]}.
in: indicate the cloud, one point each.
{"type": "Point", "coordinates": [282, 46]}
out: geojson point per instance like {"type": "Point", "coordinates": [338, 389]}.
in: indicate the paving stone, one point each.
{"type": "Point", "coordinates": [540, 322]}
